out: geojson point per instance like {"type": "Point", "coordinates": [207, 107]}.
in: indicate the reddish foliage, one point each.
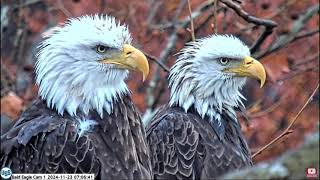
{"type": "Point", "coordinates": [35, 18]}
{"type": "Point", "coordinates": [11, 105]}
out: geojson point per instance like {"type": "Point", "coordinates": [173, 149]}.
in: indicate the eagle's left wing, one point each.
{"type": "Point", "coordinates": [41, 142]}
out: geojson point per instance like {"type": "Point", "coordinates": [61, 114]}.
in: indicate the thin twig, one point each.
{"type": "Point", "coordinates": [247, 17]}
{"type": "Point", "coordinates": [20, 34]}
{"type": "Point", "coordinates": [191, 22]}
{"type": "Point", "coordinates": [26, 3]}
{"type": "Point", "coordinates": [298, 72]}
{"type": "Point", "coordinates": [153, 10]}
{"type": "Point", "coordinates": [63, 9]}
{"type": "Point", "coordinates": [174, 22]}
{"type": "Point", "coordinates": [308, 59]}
{"type": "Point", "coordinates": [181, 6]}
{"type": "Point", "coordinates": [215, 26]}
{"type": "Point", "coordinates": [154, 59]}
{"type": "Point", "coordinates": [288, 129]}
{"type": "Point", "coordinates": [256, 45]}
{"type": "Point", "coordinates": [156, 77]}
{"type": "Point", "coordinates": [281, 9]}
{"type": "Point", "coordinates": [162, 89]}
{"type": "Point", "coordinates": [204, 22]}
{"type": "Point", "coordinates": [171, 42]}
{"type": "Point", "coordinates": [185, 21]}
{"type": "Point", "coordinates": [268, 109]}
{"type": "Point", "coordinates": [306, 34]}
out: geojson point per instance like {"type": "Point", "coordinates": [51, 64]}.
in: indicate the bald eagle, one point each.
{"type": "Point", "coordinates": [85, 120]}
{"type": "Point", "coordinates": [197, 135]}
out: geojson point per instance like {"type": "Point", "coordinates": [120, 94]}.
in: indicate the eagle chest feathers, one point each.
{"type": "Point", "coordinates": [183, 145]}
{"type": "Point", "coordinates": [45, 142]}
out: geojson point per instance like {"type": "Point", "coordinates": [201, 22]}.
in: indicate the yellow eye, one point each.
{"type": "Point", "coordinates": [101, 49]}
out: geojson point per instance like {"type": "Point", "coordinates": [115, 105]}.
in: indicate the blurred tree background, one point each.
{"type": "Point", "coordinates": [282, 34]}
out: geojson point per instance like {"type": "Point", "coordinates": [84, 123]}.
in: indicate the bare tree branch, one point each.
{"type": "Point", "coordinates": [171, 42]}
{"type": "Point", "coordinates": [154, 59]}
{"type": "Point", "coordinates": [153, 11]}
{"type": "Point", "coordinates": [291, 37]}
{"type": "Point", "coordinates": [247, 17]}
{"type": "Point", "coordinates": [256, 45]}
{"type": "Point", "coordinates": [268, 109]}
{"type": "Point", "coordinates": [180, 8]}
{"type": "Point", "coordinates": [191, 22]}
{"type": "Point", "coordinates": [63, 9]}
{"type": "Point", "coordinates": [290, 165]}
{"type": "Point", "coordinates": [26, 3]}
{"type": "Point", "coordinates": [298, 72]}
{"type": "Point", "coordinates": [306, 34]}
{"type": "Point", "coordinates": [215, 8]}
{"type": "Point", "coordinates": [169, 24]}
{"type": "Point", "coordinates": [308, 59]}
{"type": "Point", "coordinates": [184, 23]}
{"type": "Point", "coordinates": [205, 22]}
{"type": "Point", "coordinates": [281, 9]}
{"type": "Point", "coordinates": [268, 24]}
{"type": "Point", "coordinates": [288, 129]}
{"type": "Point", "coordinates": [19, 38]}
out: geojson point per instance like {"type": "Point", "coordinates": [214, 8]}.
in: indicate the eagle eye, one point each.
{"type": "Point", "coordinates": [101, 49]}
{"type": "Point", "coordinates": [224, 61]}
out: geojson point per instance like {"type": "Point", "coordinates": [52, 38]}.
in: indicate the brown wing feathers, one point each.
{"type": "Point", "coordinates": [182, 145]}
{"type": "Point", "coordinates": [44, 142]}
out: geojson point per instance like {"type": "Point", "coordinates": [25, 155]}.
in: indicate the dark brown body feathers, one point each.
{"type": "Point", "coordinates": [44, 142]}
{"type": "Point", "coordinates": [184, 146]}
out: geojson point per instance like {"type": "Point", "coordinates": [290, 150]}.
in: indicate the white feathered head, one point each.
{"type": "Point", "coordinates": [209, 74]}
{"type": "Point", "coordinates": [82, 65]}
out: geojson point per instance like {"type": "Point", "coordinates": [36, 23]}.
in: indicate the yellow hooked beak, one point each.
{"type": "Point", "coordinates": [250, 68]}
{"type": "Point", "coordinates": [130, 58]}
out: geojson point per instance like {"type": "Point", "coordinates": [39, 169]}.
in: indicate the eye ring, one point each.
{"type": "Point", "coordinates": [101, 49]}
{"type": "Point", "coordinates": [224, 61]}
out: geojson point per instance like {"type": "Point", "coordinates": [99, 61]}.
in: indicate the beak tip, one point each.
{"type": "Point", "coordinates": [262, 82]}
{"type": "Point", "coordinates": [145, 75]}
